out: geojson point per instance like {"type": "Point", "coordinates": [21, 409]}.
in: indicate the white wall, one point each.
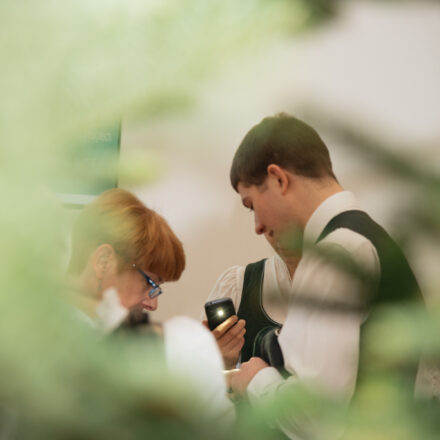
{"type": "Point", "coordinates": [378, 66]}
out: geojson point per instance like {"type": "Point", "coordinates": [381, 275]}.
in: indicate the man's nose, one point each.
{"type": "Point", "coordinates": [259, 227]}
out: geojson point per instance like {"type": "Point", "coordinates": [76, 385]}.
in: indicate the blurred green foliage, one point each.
{"type": "Point", "coordinates": [71, 67]}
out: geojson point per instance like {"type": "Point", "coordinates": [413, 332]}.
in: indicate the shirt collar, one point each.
{"type": "Point", "coordinates": [110, 313]}
{"type": "Point", "coordinates": [329, 208]}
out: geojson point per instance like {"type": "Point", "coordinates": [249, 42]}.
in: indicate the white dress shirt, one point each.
{"type": "Point", "coordinates": [321, 346]}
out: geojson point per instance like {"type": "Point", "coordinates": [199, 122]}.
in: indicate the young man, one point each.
{"type": "Point", "coordinates": [283, 173]}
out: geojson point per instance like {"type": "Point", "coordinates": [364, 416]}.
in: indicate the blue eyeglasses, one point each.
{"type": "Point", "coordinates": [155, 291]}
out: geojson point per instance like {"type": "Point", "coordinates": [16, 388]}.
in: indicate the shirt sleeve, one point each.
{"type": "Point", "coordinates": [228, 285]}
{"type": "Point", "coordinates": [192, 354]}
{"type": "Point", "coordinates": [320, 342]}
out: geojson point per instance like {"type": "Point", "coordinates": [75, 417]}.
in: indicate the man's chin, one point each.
{"type": "Point", "coordinates": [270, 237]}
{"type": "Point", "coordinates": [290, 244]}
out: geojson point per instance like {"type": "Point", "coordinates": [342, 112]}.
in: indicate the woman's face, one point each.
{"type": "Point", "coordinates": [132, 288]}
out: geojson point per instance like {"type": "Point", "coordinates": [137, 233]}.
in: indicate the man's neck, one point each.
{"type": "Point", "coordinates": [292, 263]}
{"type": "Point", "coordinates": [314, 194]}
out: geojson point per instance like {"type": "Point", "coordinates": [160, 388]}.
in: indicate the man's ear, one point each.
{"type": "Point", "coordinates": [103, 258]}
{"type": "Point", "coordinates": [280, 176]}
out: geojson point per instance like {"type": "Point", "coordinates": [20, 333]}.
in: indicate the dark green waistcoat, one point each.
{"type": "Point", "coordinates": [251, 307]}
{"type": "Point", "coordinates": [397, 284]}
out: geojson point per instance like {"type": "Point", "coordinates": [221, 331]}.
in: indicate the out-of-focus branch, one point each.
{"type": "Point", "coordinates": [423, 211]}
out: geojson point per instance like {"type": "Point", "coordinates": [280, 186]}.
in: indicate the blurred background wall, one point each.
{"type": "Point", "coordinates": [376, 66]}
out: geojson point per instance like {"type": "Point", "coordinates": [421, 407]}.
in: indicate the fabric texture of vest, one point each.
{"type": "Point", "coordinates": [251, 307]}
{"type": "Point", "coordinates": [397, 284]}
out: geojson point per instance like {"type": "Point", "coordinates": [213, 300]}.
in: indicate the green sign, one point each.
{"type": "Point", "coordinates": [91, 167]}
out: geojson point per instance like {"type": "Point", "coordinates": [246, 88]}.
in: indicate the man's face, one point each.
{"type": "Point", "coordinates": [271, 213]}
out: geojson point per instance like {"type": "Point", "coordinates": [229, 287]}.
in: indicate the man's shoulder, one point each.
{"type": "Point", "coordinates": [347, 239]}
{"type": "Point", "coordinates": [228, 285]}
{"type": "Point", "coordinates": [354, 245]}
{"type": "Point", "coordinates": [230, 274]}
{"type": "Point", "coordinates": [235, 274]}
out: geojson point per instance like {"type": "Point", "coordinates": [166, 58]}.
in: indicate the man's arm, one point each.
{"type": "Point", "coordinates": [239, 380]}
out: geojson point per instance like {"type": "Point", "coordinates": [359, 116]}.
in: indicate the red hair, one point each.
{"type": "Point", "coordinates": [137, 234]}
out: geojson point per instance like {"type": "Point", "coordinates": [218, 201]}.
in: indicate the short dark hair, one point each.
{"type": "Point", "coordinates": [282, 140]}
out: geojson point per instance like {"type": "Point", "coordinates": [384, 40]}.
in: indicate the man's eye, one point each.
{"type": "Point", "coordinates": [251, 208]}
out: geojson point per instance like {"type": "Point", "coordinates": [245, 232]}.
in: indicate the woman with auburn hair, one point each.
{"type": "Point", "coordinates": [122, 252]}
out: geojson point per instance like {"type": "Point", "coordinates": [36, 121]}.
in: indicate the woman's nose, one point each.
{"type": "Point", "coordinates": [150, 303]}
